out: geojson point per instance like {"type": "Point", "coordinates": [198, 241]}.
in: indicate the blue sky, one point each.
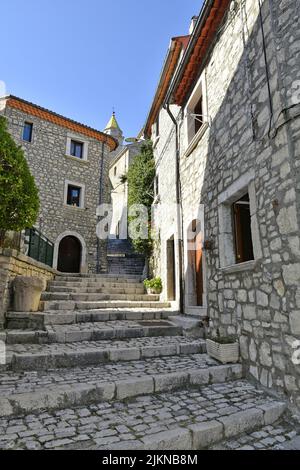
{"type": "Point", "coordinates": [82, 57]}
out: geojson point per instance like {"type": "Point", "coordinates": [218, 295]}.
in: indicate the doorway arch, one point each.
{"type": "Point", "coordinates": [70, 253]}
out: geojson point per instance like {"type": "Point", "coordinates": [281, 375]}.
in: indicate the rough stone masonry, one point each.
{"type": "Point", "coordinates": [249, 143]}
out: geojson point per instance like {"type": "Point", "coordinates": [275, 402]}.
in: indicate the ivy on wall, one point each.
{"type": "Point", "coordinates": [140, 180]}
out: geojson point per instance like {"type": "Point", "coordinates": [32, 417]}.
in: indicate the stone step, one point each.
{"type": "Point", "coordinates": [189, 419]}
{"type": "Point", "coordinates": [39, 320]}
{"type": "Point", "coordinates": [98, 278]}
{"type": "Point", "coordinates": [72, 305]}
{"type": "Point", "coordinates": [28, 392]}
{"type": "Point", "coordinates": [95, 285]}
{"type": "Point", "coordinates": [96, 289]}
{"type": "Point", "coordinates": [94, 297]}
{"type": "Point", "coordinates": [54, 356]}
{"type": "Point", "coordinates": [79, 332]}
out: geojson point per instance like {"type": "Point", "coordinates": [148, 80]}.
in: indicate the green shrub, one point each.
{"type": "Point", "coordinates": [140, 179]}
{"type": "Point", "coordinates": [19, 200]}
{"type": "Point", "coordinates": [155, 284]}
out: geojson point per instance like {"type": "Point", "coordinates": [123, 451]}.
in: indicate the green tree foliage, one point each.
{"type": "Point", "coordinates": [19, 200]}
{"type": "Point", "coordinates": [140, 179]}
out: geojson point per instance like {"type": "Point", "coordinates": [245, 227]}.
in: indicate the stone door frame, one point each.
{"type": "Point", "coordinates": [83, 267]}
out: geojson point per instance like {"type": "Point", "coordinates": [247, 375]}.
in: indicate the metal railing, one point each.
{"type": "Point", "coordinates": [40, 247]}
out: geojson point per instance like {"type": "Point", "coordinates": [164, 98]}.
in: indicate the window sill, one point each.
{"type": "Point", "coordinates": [192, 145]}
{"type": "Point", "coordinates": [76, 159]}
{"type": "Point", "coordinates": [66, 206]}
{"type": "Point", "coordinates": [237, 268]}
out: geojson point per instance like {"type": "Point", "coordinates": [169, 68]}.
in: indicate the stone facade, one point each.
{"type": "Point", "coordinates": [119, 166]}
{"type": "Point", "coordinates": [53, 168]}
{"type": "Point", "coordinates": [249, 142]}
{"type": "Point", "coordinates": [13, 264]}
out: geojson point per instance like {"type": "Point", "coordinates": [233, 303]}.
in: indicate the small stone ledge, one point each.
{"type": "Point", "coordinates": [9, 253]}
{"type": "Point", "coordinates": [237, 268]}
{"type": "Point", "coordinates": [196, 140]}
{"type": "Point", "coordinates": [64, 396]}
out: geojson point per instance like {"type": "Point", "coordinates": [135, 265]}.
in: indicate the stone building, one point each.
{"type": "Point", "coordinates": [70, 164]}
{"type": "Point", "coordinates": [119, 164]}
{"type": "Point", "coordinates": [226, 131]}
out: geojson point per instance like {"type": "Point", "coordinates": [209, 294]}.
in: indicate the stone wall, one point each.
{"type": "Point", "coordinates": [51, 167]}
{"type": "Point", "coordinates": [260, 303]}
{"type": "Point", "coordinates": [13, 264]}
{"type": "Point", "coordinates": [165, 209]}
{"type": "Point", "coordinates": [119, 166]}
{"type": "Point", "coordinates": [251, 142]}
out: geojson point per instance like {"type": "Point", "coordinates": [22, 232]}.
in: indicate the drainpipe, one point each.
{"type": "Point", "coordinates": [179, 209]}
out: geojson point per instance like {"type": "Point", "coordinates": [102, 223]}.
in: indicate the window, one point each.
{"type": "Point", "coordinates": [74, 196]}
{"type": "Point", "coordinates": [76, 149]}
{"type": "Point", "coordinates": [27, 132]}
{"type": "Point", "coordinates": [196, 112]}
{"type": "Point", "coordinates": [198, 115]}
{"type": "Point", "coordinates": [242, 230]}
{"type": "Point", "coordinates": [239, 236]}
{"type": "Point", "coordinates": [115, 171]}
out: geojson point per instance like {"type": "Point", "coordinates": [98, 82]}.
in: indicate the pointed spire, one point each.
{"type": "Point", "coordinates": [114, 129]}
{"type": "Point", "coordinates": [113, 123]}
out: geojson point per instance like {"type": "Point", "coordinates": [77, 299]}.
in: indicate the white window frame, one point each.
{"type": "Point", "coordinates": [227, 253]}
{"type": "Point", "coordinates": [85, 143]}
{"type": "Point", "coordinates": [200, 90]}
{"type": "Point", "coordinates": [82, 193]}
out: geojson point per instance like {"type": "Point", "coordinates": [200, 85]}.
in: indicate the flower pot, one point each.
{"type": "Point", "coordinates": [225, 353]}
{"type": "Point", "coordinates": [153, 290]}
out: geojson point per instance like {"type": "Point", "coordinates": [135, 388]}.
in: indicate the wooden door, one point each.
{"type": "Point", "coordinates": [199, 271]}
{"type": "Point", "coordinates": [69, 255]}
{"type": "Point", "coordinates": [171, 276]}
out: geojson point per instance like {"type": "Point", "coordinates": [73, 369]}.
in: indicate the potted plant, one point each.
{"type": "Point", "coordinates": [223, 349]}
{"type": "Point", "coordinates": [153, 286]}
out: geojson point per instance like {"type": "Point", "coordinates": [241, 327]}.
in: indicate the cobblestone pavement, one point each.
{"type": "Point", "coordinates": [31, 381]}
{"type": "Point", "coordinates": [107, 424]}
{"type": "Point", "coordinates": [273, 437]}
{"type": "Point", "coordinates": [109, 344]}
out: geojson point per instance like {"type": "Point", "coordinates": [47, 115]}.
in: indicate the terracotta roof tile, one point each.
{"type": "Point", "coordinates": [50, 116]}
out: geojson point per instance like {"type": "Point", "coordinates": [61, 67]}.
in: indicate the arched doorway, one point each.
{"type": "Point", "coordinates": [69, 255]}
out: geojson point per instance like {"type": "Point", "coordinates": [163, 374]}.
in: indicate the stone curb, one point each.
{"type": "Point", "coordinates": [43, 319]}
{"type": "Point", "coordinates": [202, 435]}
{"type": "Point", "coordinates": [65, 396]}
{"type": "Point", "coordinates": [90, 334]}
{"type": "Point", "coordinates": [56, 360]}
{"type": "Point", "coordinates": [79, 305]}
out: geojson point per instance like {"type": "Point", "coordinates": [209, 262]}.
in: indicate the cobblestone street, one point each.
{"type": "Point", "coordinates": [147, 420]}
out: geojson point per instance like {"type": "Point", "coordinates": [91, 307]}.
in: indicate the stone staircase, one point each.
{"type": "Point", "coordinates": [89, 372]}
{"type": "Point", "coordinates": [122, 259]}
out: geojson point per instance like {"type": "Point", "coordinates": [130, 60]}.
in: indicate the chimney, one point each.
{"type": "Point", "coordinates": [193, 24]}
